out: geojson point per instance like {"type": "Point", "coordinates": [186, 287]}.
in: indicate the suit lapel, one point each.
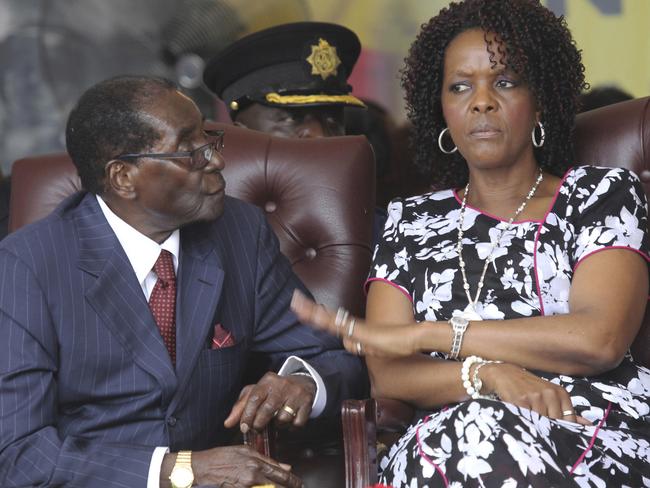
{"type": "Point", "coordinates": [200, 279]}
{"type": "Point", "coordinates": [117, 297]}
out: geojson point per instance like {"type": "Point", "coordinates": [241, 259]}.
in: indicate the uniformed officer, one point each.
{"type": "Point", "coordinates": [289, 80]}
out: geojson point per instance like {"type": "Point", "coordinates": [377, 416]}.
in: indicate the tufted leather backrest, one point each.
{"type": "Point", "coordinates": [318, 195]}
{"type": "Point", "coordinates": [619, 136]}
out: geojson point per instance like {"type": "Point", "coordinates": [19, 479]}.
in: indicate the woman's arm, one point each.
{"type": "Point", "coordinates": [418, 379]}
{"type": "Point", "coordinates": [608, 297]}
{"type": "Point", "coordinates": [607, 300]}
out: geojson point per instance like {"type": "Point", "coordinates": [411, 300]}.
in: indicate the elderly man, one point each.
{"type": "Point", "coordinates": [129, 312]}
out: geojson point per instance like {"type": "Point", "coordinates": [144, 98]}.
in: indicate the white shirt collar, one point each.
{"type": "Point", "coordinates": [141, 251]}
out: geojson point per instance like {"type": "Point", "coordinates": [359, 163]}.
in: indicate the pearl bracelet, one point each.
{"type": "Point", "coordinates": [473, 386]}
{"type": "Point", "coordinates": [478, 384]}
{"type": "Point", "coordinates": [464, 375]}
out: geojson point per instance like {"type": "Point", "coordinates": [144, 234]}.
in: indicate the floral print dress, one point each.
{"type": "Point", "coordinates": [493, 443]}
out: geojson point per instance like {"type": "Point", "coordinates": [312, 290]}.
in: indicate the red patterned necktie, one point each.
{"type": "Point", "coordinates": [163, 301]}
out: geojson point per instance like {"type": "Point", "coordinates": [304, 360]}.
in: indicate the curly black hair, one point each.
{"type": "Point", "coordinates": [537, 45]}
{"type": "Point", "coordinates": [109, 120]}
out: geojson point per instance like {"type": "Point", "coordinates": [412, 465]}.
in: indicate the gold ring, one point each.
{"type": "Point", "coordinates": [289, 410]}
{"type": "Point", "coordinates": [566, 413]}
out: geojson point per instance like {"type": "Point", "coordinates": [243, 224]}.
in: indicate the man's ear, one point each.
{"type": "Point", "coordinates": [119, 179]}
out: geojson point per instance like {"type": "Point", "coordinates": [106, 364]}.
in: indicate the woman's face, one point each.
{"type": "Point", "coordinates": [490, 112]}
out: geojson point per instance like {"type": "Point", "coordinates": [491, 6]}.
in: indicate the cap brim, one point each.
{"type": "Point", "coordinates": [303, 100]}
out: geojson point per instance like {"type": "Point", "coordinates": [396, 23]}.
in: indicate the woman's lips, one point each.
{"type": "Point", "coordinates": [484, 131]}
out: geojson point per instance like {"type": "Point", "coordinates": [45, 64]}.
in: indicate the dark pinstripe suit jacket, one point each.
{"type": "Point", "coordinates": [86, 386]}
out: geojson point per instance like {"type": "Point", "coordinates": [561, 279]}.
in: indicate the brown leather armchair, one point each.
{"type": "Point", "coordinates": [616, 136]}
{"type": "Point", "coordinates": [319, 197]}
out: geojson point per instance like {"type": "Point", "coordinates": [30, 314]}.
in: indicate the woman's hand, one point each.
{"type": "Point", "coordinates": [358, 336]}
{"type": "Point", "coordinates": [520, 387]}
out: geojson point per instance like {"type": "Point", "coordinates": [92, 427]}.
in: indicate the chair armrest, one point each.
{"type": "Point", "coordinates": [362, 421]}
{"type": "Point", "coordinates": [393, 415]}
{"type": "Point", "coordinates": [359, 442]}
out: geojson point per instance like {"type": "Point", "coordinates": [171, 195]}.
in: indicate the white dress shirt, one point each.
{"type": "Point", "coordinates": [143, 253]}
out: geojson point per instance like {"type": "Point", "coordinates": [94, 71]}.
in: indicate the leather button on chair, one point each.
{"type": "Point", "coordinates": [171, 421]}
{"type": "Point", "coordinates": [645, 176]}
{"type": "Point", "coordinates": [308, 453]}
{"type": "Point", "coordinates": [310, 253]}
{"type": "Point", "coordinates": [270, 207]}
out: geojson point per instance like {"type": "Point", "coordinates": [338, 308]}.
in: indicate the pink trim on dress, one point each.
{"type": "Point", "coordinates": [593, 438]}
{"type": "Point", "coordinates": [384, 280]}
{"type": "Point", "coordinates": [539, 232]}
{"type": "Point", "coordinates": [644, 255]}
{"type": "Point", "coordinates": [424, 456]}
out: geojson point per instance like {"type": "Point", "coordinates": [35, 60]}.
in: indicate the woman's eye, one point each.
{"type": "Point", "coordinates": [505, 83]}
{"type": "Point", "coordinates": [459, 87]}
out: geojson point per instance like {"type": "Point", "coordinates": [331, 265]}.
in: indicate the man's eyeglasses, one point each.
{"type": "Point", "coordinates": [198, 158]}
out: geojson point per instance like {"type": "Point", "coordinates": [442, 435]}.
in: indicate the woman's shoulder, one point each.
{"type": "Point", "coordinates": [434, 202]}
{"type": "Point", "coordinates": [585, 176]}
{"type": "Point", "coordinates": [425, 201]}
{"type": "Point", "coordinates": [599, 187]}
{"type": "Point", "coordinates": [590, 182]}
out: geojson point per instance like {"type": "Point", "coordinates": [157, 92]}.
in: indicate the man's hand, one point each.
{"type": "Point", "coordinates": [288, 399]}
{"type": "Point", "coordinates": [234, 466]}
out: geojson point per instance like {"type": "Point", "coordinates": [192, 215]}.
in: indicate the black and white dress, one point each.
{"type": "Point", "coordinates": [493, 443]}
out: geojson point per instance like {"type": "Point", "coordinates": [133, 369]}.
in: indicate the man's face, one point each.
{"type": "Point", "coordinates": [321, 121]}
{"type": "Point", "coordinates": [169, 193]}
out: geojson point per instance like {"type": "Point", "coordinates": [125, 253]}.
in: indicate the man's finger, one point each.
{"type": "Point", "coordinates": [253, 402]}
{"type": "Point", "coordinates": [282, 476]}
{"type": "Point", "coordinates": [265, 412]}
{"type": "Point", "coordinates": [286, 413]}
{"type": "Point", "coordinates": [302, 415]}
{"type": "Point", "coordinates": [237, 408]}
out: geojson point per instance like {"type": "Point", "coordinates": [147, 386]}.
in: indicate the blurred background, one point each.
{"type": "Point", "coordinates": [51, 50]}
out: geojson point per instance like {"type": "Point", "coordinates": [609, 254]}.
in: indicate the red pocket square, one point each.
{"type": "Point", "coordinates": [222, 338]}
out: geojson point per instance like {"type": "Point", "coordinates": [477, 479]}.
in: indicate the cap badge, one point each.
{"type": "Point", "coordinates": [323, 59]}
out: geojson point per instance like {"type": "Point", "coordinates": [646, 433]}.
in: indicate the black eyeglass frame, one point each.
{"type": "Point", "coordinates": [216, 144]}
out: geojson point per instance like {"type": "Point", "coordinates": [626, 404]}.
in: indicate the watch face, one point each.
{"type": "Point", "coordinates": [459, 321]}
{"type": "Point", "coordinates": [181, 477]}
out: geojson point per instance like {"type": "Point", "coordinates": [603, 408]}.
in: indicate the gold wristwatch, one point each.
{"type": "Point", "coordinates": [182, 475]}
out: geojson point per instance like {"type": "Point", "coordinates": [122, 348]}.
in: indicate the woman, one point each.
{"type": "Point", "coordinates": [525, 378]}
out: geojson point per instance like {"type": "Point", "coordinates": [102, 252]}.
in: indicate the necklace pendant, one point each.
{"type": "Point", "coordinates": [469, 313]}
